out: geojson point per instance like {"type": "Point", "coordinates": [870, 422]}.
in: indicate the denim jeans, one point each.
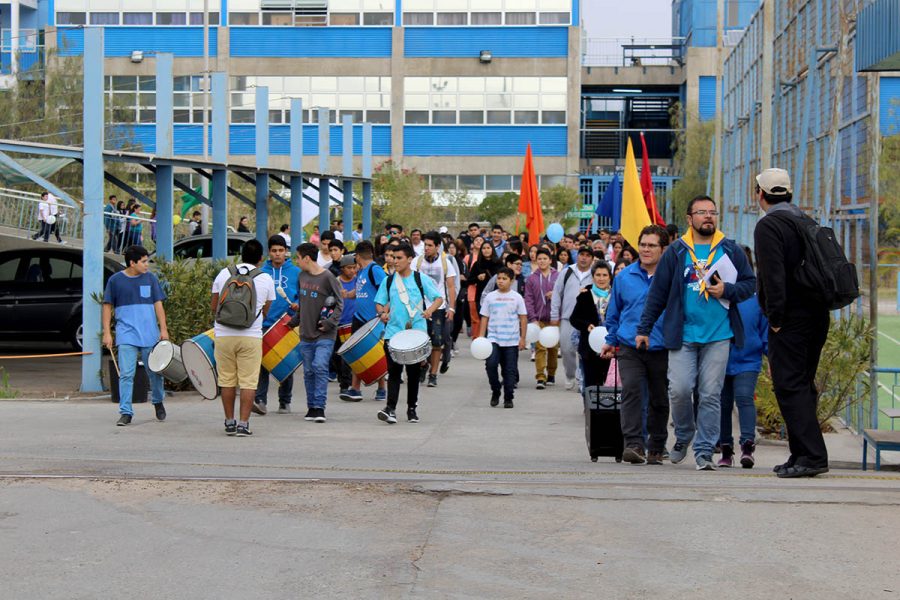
{"type": "Point", "coordinates": [285, 388]}
{"type": "Point", "coordinates": [738, 389]}
{"type": "Point", "coordinates": [506, 358]}
{"type": "Point", "coordinates": [701, 366]}
{"type": "Point", "coordinates": [316, 357]}
{"type": "Point", "coordinates": [128, 357]}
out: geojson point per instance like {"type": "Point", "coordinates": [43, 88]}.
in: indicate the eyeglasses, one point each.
{"type": "Point", "coordinates": [704, 213]}
{"type": "Point", "coordinates": [649, 246]}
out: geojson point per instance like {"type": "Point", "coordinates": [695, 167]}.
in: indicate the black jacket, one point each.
{"type": "Point", "coordinates": [779, 250]}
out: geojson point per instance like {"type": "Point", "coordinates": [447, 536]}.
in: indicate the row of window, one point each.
{"type": "Point", "coordinates": [488, 183]}
{"type": "Point", "coordinates": [482, 117]}
{"type": "Point", "coordinates": [134, 18]}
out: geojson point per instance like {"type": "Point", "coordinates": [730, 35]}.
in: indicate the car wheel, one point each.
{"type": "Point", "coordinates": [76, 335]}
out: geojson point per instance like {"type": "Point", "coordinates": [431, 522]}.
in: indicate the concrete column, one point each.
{"type": "Point", "coordinates": [347, 171]}
{"type": "Point", "coordinates": [324, 151]}
{"type": "Point", "coordinates": [297, 165]}
{"type": "Point", "coordinates": [767, 79]}
{"type": "Point", "coordinates": [219, 88]}
{"type": "Point", "coordinates": [398, 69]}
{"type": "Point", "coordinates": [92, 192]}
{"type": "Point", "coordinates": [165, 200]}
{"type": "Point", "coordinates": [14, 32]}
{"type": "Point", "coordinates": [262, 160]}
{"type": "Point", "coordinates": [367, 185]}
{"type": "Point", "coordinates": [573, 106]}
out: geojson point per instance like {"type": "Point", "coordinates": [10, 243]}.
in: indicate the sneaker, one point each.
{"type": "Point", "coordinates": [411, 415]}
{"type": "Point", "coordinates": [259, 408]}
{"type": "Point", "coordinates": [679, 451]}
{"type": "Point", "coordinates": [380, 395]}
{"type": "Point", "coordinates": [243, 431]}
{"type": "Point", "coordinates": [532, 356]}
{"type": "Point", "coordinates": [310, 415]}
{"type": "Point", "coordinates": [747, 449]}
{"type": "Point", "coordinates": [495, 398]}
{"type": "Point", "coordinates": [123, 420]}
{"type": "Point", "coordinates": [508, 403]}
{"type": "Point", "coordinates": [654, 458]}
{"type": "Point", "coordinates": [432, 380]}
{"type": "Point", "coordinates": [634, 455]}
{"type": "Point", "coordinates": [727, 458]}
{"type": "Point", "coordinates": [230, 428]}
{"type": "Point", "coordinates": [319, 417]}
{"type": "Point", "coordinates": [444, 368]}
{"type": "Point", "coordinates": [705, 463]}
{"type": "Point", "coordinates": [160, 411]}
{"type": "Point", "coordinates": [551, 380]}
{"type": "Point", "coordinates": [343, 393]}
{"type": "Point", "coordinates": [332, 377]}
{"type": "Point", "coordinates": [570, 384]}
{"type": "Point", "coordinates": [353, 395]}
{"type": "Point", "coordinates": [540, 384]}
{"type": "Point", "coordinates": [387, 415]}
{"type": "Point", "coordinates": [284, 409]}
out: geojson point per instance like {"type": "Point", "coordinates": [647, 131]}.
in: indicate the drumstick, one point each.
{"type": "Point", "coordinates": [112, 353]}
{"type": "Point", "coordinates": [281, 293]}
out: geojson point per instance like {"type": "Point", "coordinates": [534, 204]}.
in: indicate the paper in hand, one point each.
{"type": "Point", "coordinates": [726, 271]}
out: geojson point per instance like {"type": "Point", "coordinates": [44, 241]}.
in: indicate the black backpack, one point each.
{"type": "Point", "coordinates": [824, 269]}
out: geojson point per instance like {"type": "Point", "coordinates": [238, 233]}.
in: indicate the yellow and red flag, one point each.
{"type": "Point", "coordinates": [634, 211]}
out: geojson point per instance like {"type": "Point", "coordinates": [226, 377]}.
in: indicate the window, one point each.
{"type": "Point", "coordinates": [549, 181]}
{"type": "Point", "coordinates": [344, 18]}
{"type": "Point", "coordinates": [418, 18]}
{"type": "Point", "coordinates": [104, 18]}
{"type": "Point", "coordinates": [455, 18]}
{"type": "Point", "coordinates": [520, 18]}
{"type": "Point", "coordinates": [71, 18]}
{"type": "Point", "coordinates": [498, 117]}
{"type": "Point", "coordinates": [379, 18]}
{"type": "Point", "coordinates": [471, 117]}
{"type": "Point", "coordinates": [526, 117]}
{"type": "Point", "coordinates": [498, 182]}
{"type": "Point", "coordinates": [137, 18]}
{"type": "Point", "coordinates": [555, 18]}
{"type": "Point", "coordinates": [378, 116]}
{"type": "Point", "coordinates": [417, 117]}
{"type": "Point", "coordinates": [487, 18]}
{"type": "Point", "coordinates": [197, 18]}
{"type": "Point", "coordinates": [242, 115]}
{"type": "Point", "coordinates": [242, 18]}
{"type": "Point", "coordinates": [443, 182]}
{"type": "Point", "coordinates": [356, 114]}
{"type": "Point", "coordinates": [443, 117]}
{"type": "Point", "coordinates": [171, 18]}
{"type": "Point", "coordinates": [553, 117]}
{"type": "Point", "coordinates": [283, 19]}
{"type": "Point", "coordinates": [471, 182]}
{"type": "Point", "coordinates": [8, 269]}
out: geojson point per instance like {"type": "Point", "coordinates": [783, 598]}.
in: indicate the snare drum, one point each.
{"type": "Point", "coordinates": [410, 346]}
{"type": "Point", "coordinates": [364, 352]}
{"type": "Point", "coordinates": [344, 332]}
{"type": "Point", "coordinates": [165, 360]}
{"type": "Point", "coordinates": [281, 349]}
{"type": "Point", "coordinates": [198, 355]}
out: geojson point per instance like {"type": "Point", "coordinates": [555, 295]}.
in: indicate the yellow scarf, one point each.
{"type": "Point", "coordinates": [688, 239]}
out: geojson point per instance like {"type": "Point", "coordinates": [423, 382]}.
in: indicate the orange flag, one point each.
{"type": "Point", "coordinates": [530, 202]}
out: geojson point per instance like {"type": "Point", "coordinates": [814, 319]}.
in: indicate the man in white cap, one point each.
{"type": "Point", "coordinates": [798, 323]}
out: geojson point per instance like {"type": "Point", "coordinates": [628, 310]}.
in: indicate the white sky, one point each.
{"type": "Point", "coordinates": [623, 18]}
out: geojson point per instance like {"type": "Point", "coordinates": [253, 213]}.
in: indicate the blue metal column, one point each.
{"type": "Point", "coordinates": [347, 171]}
{"type": "Point", "coordinates": [165, 201]}
{"type": "Point", "coordinates": [367, 185]}
{"type": "Point", "coordinates": [297, 165]}
{"type": "Point", "coordinates": [262, 160]}
{"type": "Point", "coordinates": [324, 184]}
{"type": "Point", "coordinates": [219, 88]}
{"type": "Point", "coordinates": [93, 209]}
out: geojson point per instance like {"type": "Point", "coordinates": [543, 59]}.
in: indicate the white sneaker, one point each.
{"type": "Point", "coordinates": [570, 384]}
{"type": "Point", "coordinates": [532, 356]}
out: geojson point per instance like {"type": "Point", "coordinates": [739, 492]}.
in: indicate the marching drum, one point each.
{"type": "Point", "coordinates": [165, 360]}
{"type": "Point", "coordinates": [410, 347]}
{"type": "Point", "coordinates": [364, 352]}
{"type": "Point", "coordinates": [281, 349]}
{"type": "Point", "coordinates": [198, 355]}
{"type": "Point", "coordinates": [344, 332]}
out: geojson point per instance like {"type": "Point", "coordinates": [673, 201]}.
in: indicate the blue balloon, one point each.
{"type": "Point", "coordinates": [555, 232]}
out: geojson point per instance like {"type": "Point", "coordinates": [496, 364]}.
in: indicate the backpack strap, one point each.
{"type": "Point", "coordinates": [562, 291]}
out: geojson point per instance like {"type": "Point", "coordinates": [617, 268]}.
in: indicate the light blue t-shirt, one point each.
{"type": "Point", "coordinates": [503, 311]}
{"type": "Point", "coordinates": [133, 298]}
{"type": "Point", "coordinates": [399, 316]}
{"type": "Point", "coordinates": [705, 319]}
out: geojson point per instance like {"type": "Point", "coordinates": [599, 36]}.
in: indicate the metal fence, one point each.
{"type": "Point", "coordinates": [632, 52]}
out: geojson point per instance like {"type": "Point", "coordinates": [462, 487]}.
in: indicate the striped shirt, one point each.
{"type": "Point", "coordinates": [503, 311]}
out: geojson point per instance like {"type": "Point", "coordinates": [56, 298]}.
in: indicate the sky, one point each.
{"type": "Point", "coordinates": [618, 18]}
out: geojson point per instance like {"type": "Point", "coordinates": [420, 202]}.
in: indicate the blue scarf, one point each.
{"type": "Point", "coordinates": [598, 292]}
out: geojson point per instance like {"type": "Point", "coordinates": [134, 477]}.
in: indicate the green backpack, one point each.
{"type": "Point", "coordinates": [237, 300]}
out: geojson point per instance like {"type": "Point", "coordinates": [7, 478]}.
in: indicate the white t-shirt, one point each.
{"type": "Point", "coordinates": [503, 311]}
{"type": "Point", "coordinates": [435, 270]}
{"type": "Point", "coordinates": [265, 292]}
{"type": "Point", "coordinates": [419, 249]}
{"type": "Point", "coordinates": [287, 238]}
{"type": "Point", "coordinates": [338, 235]}
{"type": "Point", "coordinates": [324, 260]}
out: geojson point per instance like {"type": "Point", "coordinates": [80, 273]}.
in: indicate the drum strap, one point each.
{"type": "Point", "coordinates": [403, 294]}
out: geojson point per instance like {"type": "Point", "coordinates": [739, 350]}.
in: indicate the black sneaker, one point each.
{"type": "Point", "coordinates": [230, 428]}
{"type": "Point", "coordinates": [387, 415]}
{"type": "Point", "coordinates": [444, 368]}
{"type": "Point", "coordinates": [495, 398]}
{"type": "Point", "coordinates": [422, 376]}
{"type": "Point", "coordinates": [411, 415]}
{"type": "Point", "coordinates": [310, 415]}
{"type": "Point", "coordinates": [284, 409]}
{"type": "Point", "coordinates": [319, 417]}
{"type": "Point", "coordinates": [124, 420]}
{"type": "Point", "coordinates": [540, 384]}
{"type": "Point", "coordinates": [243, 431]}
{"type": "Point", "coordinates": [259, 408]}
{"type": "Point", "coordinates": [508, 403]}
{"type": "Point", "coordinates": [160, 411]}
{"type": "Point", "coordinates": [551, 380]}
{"type": "Point", "coordinates": [432, 381]}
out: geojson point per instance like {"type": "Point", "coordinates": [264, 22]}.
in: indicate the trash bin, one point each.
{"type": "Point", "coordinates": [141, 386]}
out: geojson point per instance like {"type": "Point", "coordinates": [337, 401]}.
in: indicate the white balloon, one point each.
{"type": "Point", "coordinates": [532, 333]}
{"type": "Point", "coordinates": [597, 338]}
{"type": "Point", "coordinates": [549, 337]}
{"type": "Point", "coordinates": [50, 220]}
{"type": "Point", "coordinates": [482, 348]}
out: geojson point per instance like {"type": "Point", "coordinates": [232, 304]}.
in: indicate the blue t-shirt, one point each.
{"type": "Point", "coordinates": [349, 303]}
{"type": "Point", "coordinates": [133, 299]}
{"type": "Point", "coordinates": [705, 319]}
{"type": "Point", "coordinates": [399, 316]}
{"type": "Point", "coordinates": [367, 282]}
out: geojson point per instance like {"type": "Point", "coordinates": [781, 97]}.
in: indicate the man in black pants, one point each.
{"type": "Point", "coordinates": [798, 324]}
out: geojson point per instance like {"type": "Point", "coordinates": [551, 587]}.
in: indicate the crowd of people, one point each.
{"type": "Point", "coordinates": [684, 335]}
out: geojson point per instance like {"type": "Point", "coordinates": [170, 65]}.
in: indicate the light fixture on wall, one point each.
{"type": "Point", "coordinates": [485, 56]}
{"type": "Point", "coordinates": [137, 56]}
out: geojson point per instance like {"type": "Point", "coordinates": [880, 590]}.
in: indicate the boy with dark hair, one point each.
{"type": "Point", "coordinates": [137, 298]}
{"type": "Point", "coordinates": [369, 277]}
{"type": "Point", "coordinates": [336, 250]}
{"type": "Point", "coordinates": [324, 255]}
{"type": "Point", "coordinates": [504, 319]}
{"type": "Point", "coordinates": [347, 279]}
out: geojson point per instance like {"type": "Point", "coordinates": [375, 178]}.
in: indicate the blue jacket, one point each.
{"type": "Point", "coordinates": [626, 303]}
{"type": "Point", "coordinates": [667, 294]}
{"type": "Point", "coordinates": [286, 277]}
{"type": "Point", "coordinates": [756, 339]}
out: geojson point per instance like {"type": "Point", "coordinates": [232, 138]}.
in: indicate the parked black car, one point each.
{"type": "Point", "coordinates": [40, 293]}
{"type": "Point", "coordinates": [200, 246]}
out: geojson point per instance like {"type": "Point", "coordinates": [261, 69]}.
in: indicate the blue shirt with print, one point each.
{"type": "Point", "coordinates": [367, 282]}
{"type": "Point", "coordinates": [399, 316]}
{"type": "Point", "coordinates": [132, 298]}
{"type": "Point", "coordinates": [349, 303]}
{"type": "Point", "coordinates": [705, 319]}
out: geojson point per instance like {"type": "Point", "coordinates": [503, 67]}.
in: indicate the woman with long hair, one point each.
{"type": "Point", "coordinates": [469, 261]}
{"type": "Point", "coordinates": [458, 249]}
{"type": "Point", "coordinates": [562, 259]}
{"type": "Point", "coordinates": [481, 272]}
{"type": "Point", "coordinates": [590, 312]}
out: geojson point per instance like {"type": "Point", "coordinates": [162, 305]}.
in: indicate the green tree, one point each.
{"type": "Point", "coordinates": [399, 196]}
{"type": "Point", "coordinates": [692, 148]}
{"type": "Point", "coordinates": [558, 202]}
{"type": "Point", "coordinates": [496, 207]}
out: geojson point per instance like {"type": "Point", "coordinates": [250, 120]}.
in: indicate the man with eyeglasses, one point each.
{"type": "Point", "coordinates": [701, 317]}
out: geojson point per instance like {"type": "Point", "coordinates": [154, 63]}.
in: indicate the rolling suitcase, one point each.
{"type": "Point", "coordinates": [602, 425]}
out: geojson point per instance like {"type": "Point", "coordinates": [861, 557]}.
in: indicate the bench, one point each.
{"type": "Point", "coordinates": [890, 413]}
{"type": "Point", "coordinates": [880, 440]}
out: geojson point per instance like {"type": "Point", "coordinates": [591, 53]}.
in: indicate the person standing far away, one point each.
{"type": "Point", "coordinates": [568, 285]}
{"type": "Point", "coordinates": [321, 304]}
{"type": "Point", "coordinates": [415, 239]}
{"type": "Point", "coordinates": [347, 279]}
{"type": "Point", "coordinates": [315, 238]}
{"type": "Point", "coordinates": [285, 232]}
{"type": "Point", "coordinates": [538, 295]}
{"type": "Point", "coordinates": [504, 319]}
{"type": "Point", "coordinates": [368, 279]}
{"type": "Point", "coordinates": [110, 223]}
{"type": "Point", "coordinates": [639, 368]}
{"type": "Point", "coordinates": [798, 324]}
{"type": "Point", "coordinates": [238, 349]}
{"type": "Point", "coordinates": [697, 326]}
{"type": "Point", "coordinates": [324, 257]}
{"type": "Point", "coordinates": [137, 299]}
{"type": "Point", "coordinates": [336, 250]}
{"type": "Point", "coordinates": [435, 263]}
{"type": "Point", "coordinates": [284, 274]}
{"type": "Point", "coordinates": [243, 225]}
{"type": "Point", "coordinates": [405, 300]}
{"type": "Point", "coordinates": [497, 240]}
{"type": "Point", "coordinates": [358, 233]}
